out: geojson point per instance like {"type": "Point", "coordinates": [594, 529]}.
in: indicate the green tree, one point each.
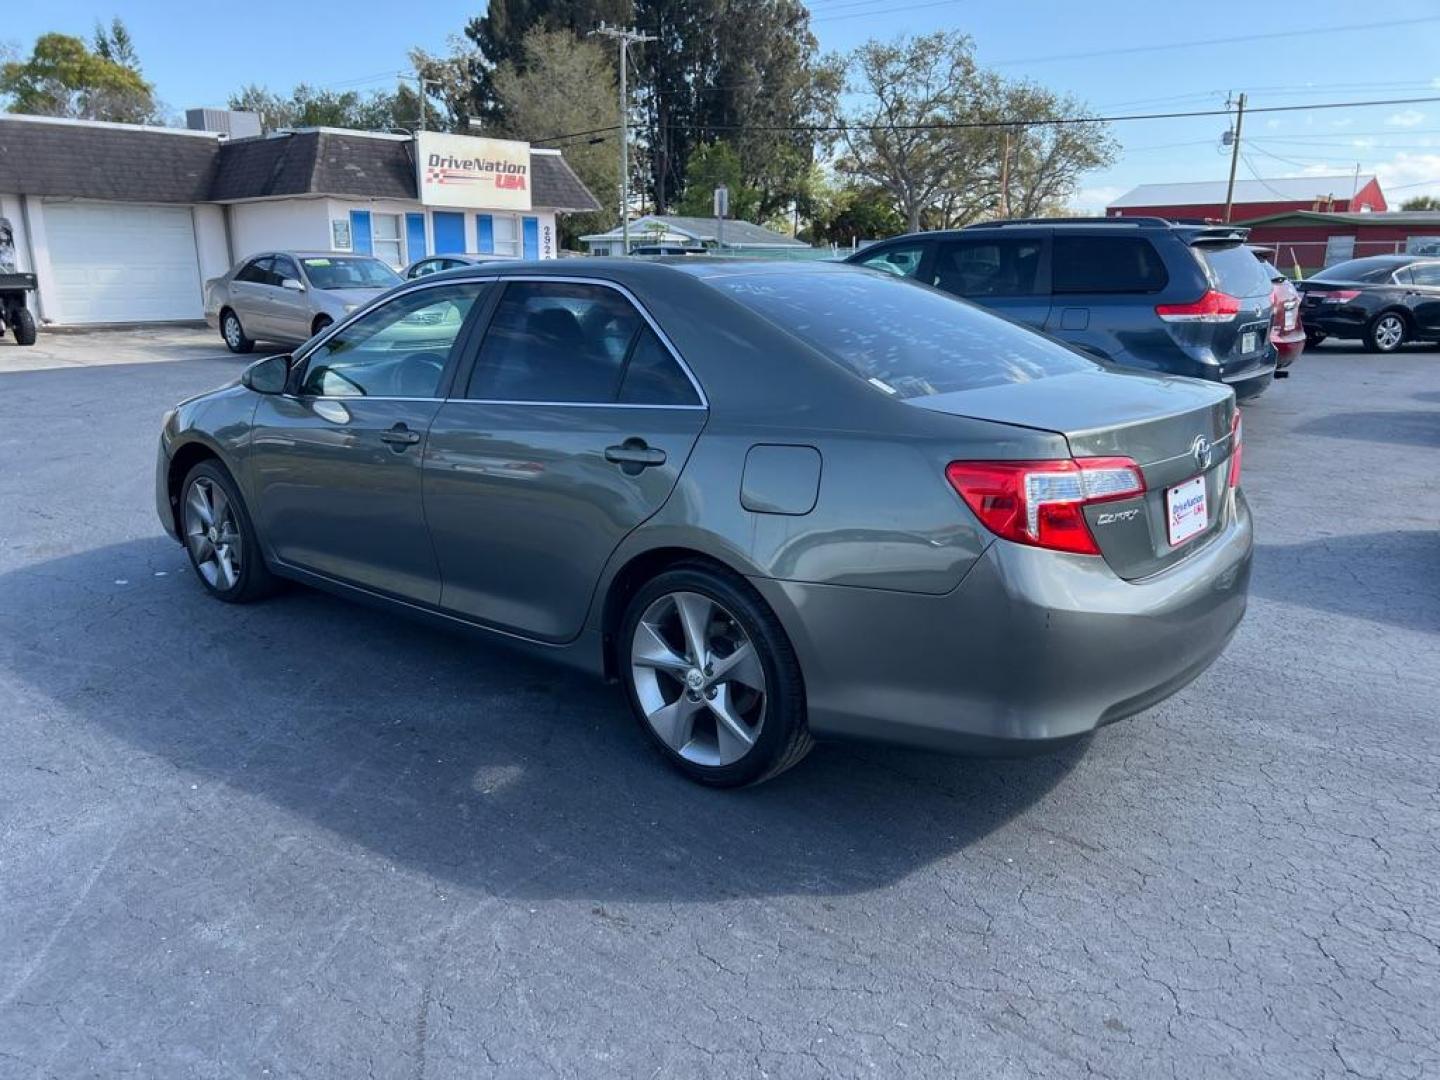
{"type": "Point", "coordinates": [114, 43]}
{"type": "Point", "coordinates": [847, 215]}
{"type": "Point", "coordinates": [1421, 202]}
{"type": "Point", "coordinates": [711, 165]}
{"type": "Point", "coordinates": [499, 36]}
{"type": "Point", "coordinates": [951, 142]}
{"type": "Point", "coordinates": [307, 106]}
{"type": "Point", "coordinates": [63, 77]}
{"type": "Point", "coordinates": [559, 84]}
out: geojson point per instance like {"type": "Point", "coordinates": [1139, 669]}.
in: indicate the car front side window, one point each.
{"type": "Point", "coordinates": [903, 260]}
{"type": "Point", "coordinates": [399, 350]}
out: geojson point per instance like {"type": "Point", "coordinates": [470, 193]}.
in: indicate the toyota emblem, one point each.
{"type": "Point", "coordinates": [1201, 451]}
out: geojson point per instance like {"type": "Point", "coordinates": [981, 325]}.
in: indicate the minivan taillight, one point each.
{"type": "Point", "coordinates": [1041, 503]}
{"type": "Point", "coordinates": [1236, 429]}
{"type": "Point", "coordinates": [1213, 307]}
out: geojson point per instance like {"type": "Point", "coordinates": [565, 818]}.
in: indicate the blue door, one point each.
{"type": "Point", "coordinates": [485, 234]}
{"type": "Point", "coordinates": [360, 232]}
{"type": "Point", "coordinates": [449, 228]}
{"type": "Point", "coordinates": [530, 236]}
{"type": "Point", "coordinates": [415, 237]}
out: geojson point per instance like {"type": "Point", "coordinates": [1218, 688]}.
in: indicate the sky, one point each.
{"type": "Point", "coordinates": [1119, 58]}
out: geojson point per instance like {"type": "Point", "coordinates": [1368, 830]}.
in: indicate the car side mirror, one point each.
{"type": "Point", "coordinates": [268, 376]}
{"type": "Point", "coordinates": [292, 284]}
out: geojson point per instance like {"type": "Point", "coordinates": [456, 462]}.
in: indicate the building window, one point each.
{"type": "Point", "coordinates": [507, 235]}
{"type": "Point", "coordinates": [385, 238]}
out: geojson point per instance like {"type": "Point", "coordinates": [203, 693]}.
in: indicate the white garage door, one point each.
{"type": "Point", "coordinates": [118, 262]}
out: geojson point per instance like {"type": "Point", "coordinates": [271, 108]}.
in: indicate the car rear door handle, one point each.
{"type": "Point", "coordinates": [633, 455]}
{"type": "Point", "coordinates": [400, 437]}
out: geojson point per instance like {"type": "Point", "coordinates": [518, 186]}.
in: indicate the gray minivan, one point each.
{"type": "Point", "coordinates": [1162, 296]}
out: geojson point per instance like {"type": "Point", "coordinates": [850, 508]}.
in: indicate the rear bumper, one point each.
{"type": "Point", "coordinates": [1032, 649]}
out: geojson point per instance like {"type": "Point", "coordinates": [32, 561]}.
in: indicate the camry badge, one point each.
{"type": "Point", "coordinates": [1201, 451]}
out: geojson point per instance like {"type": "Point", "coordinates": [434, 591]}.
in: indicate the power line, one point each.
{"type": "Point", "coordinates": [880, 11]}
{"type": "Point", "coordinates": [1246, 38]}
{"type": "Point", "coordinates": [1053, 121]}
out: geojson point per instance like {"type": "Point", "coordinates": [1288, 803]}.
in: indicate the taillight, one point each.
{"type": "Point", "coordinates": [1236, 427]}
{"type": "Point", "coordinates": [1213, 307]}
{"type": "Point", "coordinates": [1042, 503]}
{"type": "Point", "coordinates": [1339, 296]}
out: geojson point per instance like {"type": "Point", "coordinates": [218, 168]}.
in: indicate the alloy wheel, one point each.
{"type": "Point", "coordinates": [212, 534]}
{"type": "Point", "coordinates": [1389, 332]}
{"type": "Point", "coordinates": [232, 331]}
{"type": "Point", "coordinates": [698, 679]}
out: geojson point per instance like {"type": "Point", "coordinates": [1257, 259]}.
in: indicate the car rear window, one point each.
{"type": "Point", "coordinates": [1233, 269]}
{"type": "Point", "coordinates": [1358, 270]}
{"type": "Point", "coordinates": [1106, 264]}
{"type": "Point", "coordinates": [904, 339]}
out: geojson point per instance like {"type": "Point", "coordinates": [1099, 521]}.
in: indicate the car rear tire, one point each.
{"type": "Point", "coordinates": [234, 333]}
{"type": "Point", "coordinates": [1313, 338]}
{"type": "Point", "coordinates": [1386, 332]}
{"type": "Point", "coordinates": [712, 678]}
{"type": "Point", "coordinates": [216, 530]}
{"type": "Point", "coordinates": [22, 325]}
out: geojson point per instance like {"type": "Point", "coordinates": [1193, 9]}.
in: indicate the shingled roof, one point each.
{"type": "Point", "coordinates": [129, 163]}
{"type": "Point", "coordinates": [105, 161]}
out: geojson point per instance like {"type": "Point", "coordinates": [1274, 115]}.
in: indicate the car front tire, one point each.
{"type": "Point", "coordinates": [1386, 332]}
{"type": "Point", "coordinates": [217, 533]}
{"type": "Point", "coordinates": [712, 678]}
{"type": "Point", "coordinates": [234, 333]}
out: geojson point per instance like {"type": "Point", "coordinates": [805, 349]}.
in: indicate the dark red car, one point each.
{"type": "Point", "coordinates": [1287, 333]}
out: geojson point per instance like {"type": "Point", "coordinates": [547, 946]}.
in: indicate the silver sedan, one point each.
{"type": "Point", "coordinates": [290, 296]}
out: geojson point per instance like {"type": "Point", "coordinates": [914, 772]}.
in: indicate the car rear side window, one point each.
{"type": "Point", "coordinates": [905, 340]}
{"type": "Point", "coordinates": [1425, 274]}
{"type": "Point", "coordinates": [555, 341]}
{"type": "Point", "coordinates": [1106, 264]}
{"type": "Point", "coordinates": [1004, 266]}
{"type": "Point", "coordinates": [652, 377]}
{"type": "Point", "coordinates": [257, 272]}
{"type": "Point", "coordinates": [1233, 269]}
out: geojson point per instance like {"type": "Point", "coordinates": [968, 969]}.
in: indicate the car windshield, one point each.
{"type": "Point", "coordinates": [325, 273]}
{"type": "Point", "coordinates": [904, 339]}
{"type": "Point", "coordinates": [1359, 270]}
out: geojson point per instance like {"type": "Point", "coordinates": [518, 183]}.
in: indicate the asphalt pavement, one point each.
{"type": "Point", "coordinates": [307, 839]}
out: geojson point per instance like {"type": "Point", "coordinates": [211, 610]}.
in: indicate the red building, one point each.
{"type": "Point", "coordinates": [1311, 241]}
{"type": "Point", "coordinates": [1205, 199]}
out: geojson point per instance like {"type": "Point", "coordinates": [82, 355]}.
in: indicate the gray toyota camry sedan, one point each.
{"type": "Point", "coordinates": [776, 502]}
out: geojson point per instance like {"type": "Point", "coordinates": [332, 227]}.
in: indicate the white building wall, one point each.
{"type": "Point", "coordinates": [212, 245]}
{"type": "Point", "coordinates": [278, 225]}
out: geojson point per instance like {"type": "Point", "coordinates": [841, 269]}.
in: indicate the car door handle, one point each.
{"type": "Point", "coordinates": [400, 436]}
{"type": "Point", "coordinates": [633, 455]}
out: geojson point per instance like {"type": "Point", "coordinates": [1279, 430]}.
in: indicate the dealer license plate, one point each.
{"type": "Point", "coordinates": [1249, 342]}
{"type": "Point", "coordinates": [1185, 510]}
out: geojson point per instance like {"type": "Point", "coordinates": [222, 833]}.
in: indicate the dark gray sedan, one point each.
{"type": "Point", "coordinates": [776, 502]}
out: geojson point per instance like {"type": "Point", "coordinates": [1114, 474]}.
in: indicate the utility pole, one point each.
{"type": "Point", "coordinates": [1234, 155]}
{"type": "Point", "coordinates": [1005, 178]}
{"type": "Point", "coordinates": [626, 38]}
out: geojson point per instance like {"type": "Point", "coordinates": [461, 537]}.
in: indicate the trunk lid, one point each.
{"type": "Point", "coordinates": [1156, 421]}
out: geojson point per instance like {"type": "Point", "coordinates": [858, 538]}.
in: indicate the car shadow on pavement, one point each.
{"type": "Point", "coordinates": [1413, 427]}
{"type": "Point", "coordinates": [465, 760]}
{"type": "Point", "coordinates": [1386, 577]}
